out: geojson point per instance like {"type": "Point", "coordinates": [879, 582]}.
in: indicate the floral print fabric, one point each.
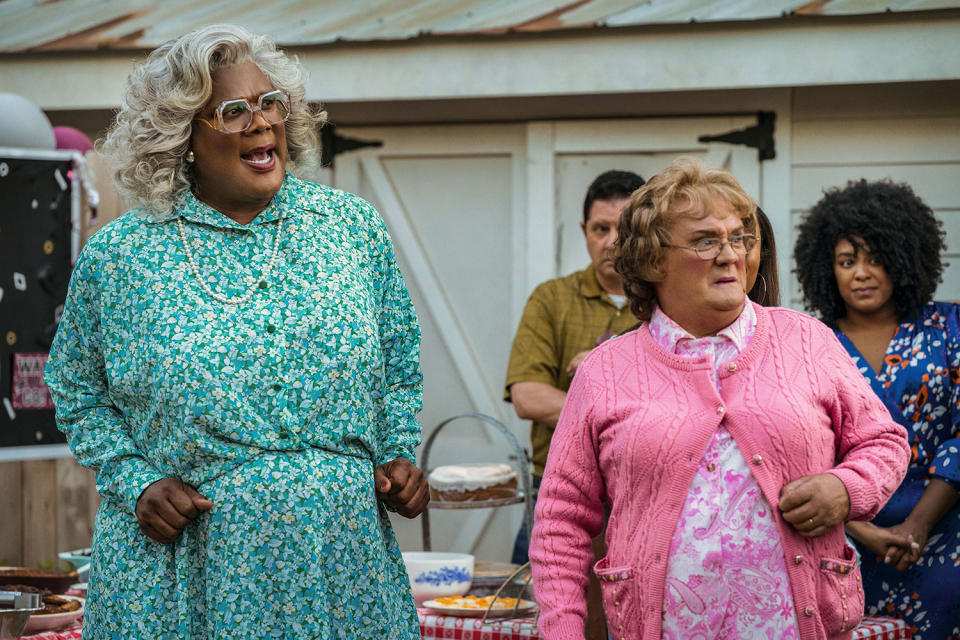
{"type": "Point", "coordinates": [726, 576]}
{"type": "Point", "coordinates": [277, 409]}
{"type": "Point", "coordinates": [920, 384]}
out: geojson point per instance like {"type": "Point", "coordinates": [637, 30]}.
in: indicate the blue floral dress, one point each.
{"type": "Point", "coordinates": [920, 384]}
{"type": "Point", "coordinates": [277, 409]}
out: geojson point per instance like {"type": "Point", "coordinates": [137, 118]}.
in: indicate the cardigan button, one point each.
{"type": "Point", "coordinates": [757, 458]}
{"type": "Point", "coordinates": [809, 611]}
{"type": "Point", "coordinates": [798, 560]}
{"type": "Point", "coordinates": [720, 411]}
{"type": "Point", "coordinates": [732, 367]}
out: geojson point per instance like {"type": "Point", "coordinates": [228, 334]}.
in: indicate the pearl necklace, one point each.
{"type": "Point", "coordinates": [262, 283]}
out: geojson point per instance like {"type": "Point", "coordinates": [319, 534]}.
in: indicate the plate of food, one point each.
{"type": "Point", "coordinates": [477, 607]}
{"type": "Point", "coordinates": [58, 612]}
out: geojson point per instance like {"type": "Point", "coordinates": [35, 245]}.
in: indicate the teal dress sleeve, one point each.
{"type": "Point", "coordinates": [399, 332]}
{"type": "Point", "coordinates": [76, 376]}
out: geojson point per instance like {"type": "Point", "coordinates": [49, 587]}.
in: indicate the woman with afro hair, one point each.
{"type": "Point", "coordinates": [868, 261]}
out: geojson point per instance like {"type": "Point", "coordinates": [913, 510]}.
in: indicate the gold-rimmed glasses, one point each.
{"type": "Point", "coordinates": [236, 115]}
{"type": "Point", "coordinates": [709, 248]}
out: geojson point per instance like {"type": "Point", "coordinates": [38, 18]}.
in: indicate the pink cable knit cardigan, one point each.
{"type": "Point", "coordinates": [633, 430]}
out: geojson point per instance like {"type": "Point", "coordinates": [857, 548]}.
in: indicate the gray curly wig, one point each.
{"type": "Point", "coordinates": [685, 187]}
{"type": "Point", "coordinates": [148, 141]}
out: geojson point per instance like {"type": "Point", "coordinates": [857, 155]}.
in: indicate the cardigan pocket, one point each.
{"type": "Point", "coordinates": [840, 592]}
{"type": "Point", "coordinates": [616, 585]}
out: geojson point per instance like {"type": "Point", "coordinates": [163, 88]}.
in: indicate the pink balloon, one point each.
{"type": "Point", "coordinates": [70, 138]}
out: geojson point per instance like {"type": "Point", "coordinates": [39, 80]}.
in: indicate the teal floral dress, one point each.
{"type": "Point", "coordinates": [277, 409]}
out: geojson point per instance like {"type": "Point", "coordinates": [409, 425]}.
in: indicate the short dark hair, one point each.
{"type": "Point", "coordinates": [893, 223]}
{"type": "Point", "coordinates": [610, 185]}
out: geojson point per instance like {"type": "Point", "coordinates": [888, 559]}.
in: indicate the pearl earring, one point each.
{"type": "Point", "coordinates": [191, 157]}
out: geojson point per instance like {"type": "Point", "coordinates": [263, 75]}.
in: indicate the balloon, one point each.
{"type": "Point", "coordinates": [70, 138]}
{"type": "Point", "coordinates": [23, 124]}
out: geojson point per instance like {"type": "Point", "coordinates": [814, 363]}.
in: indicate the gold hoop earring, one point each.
{"type": "Point", "coordinates": [191, 158]}
{"type": "Point", "coordinates": [761, 299]}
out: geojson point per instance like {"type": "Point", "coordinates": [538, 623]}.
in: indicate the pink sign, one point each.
{"type": "Point", "coordinates": [29, 390]}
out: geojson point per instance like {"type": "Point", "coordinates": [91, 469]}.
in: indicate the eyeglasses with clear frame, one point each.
{"type": "Point", "coordinates": [709, 248]}
{"type": "Point", "coordinates": [236, 115]}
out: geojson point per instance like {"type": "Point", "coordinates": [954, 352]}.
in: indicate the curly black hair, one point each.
{"type": "Point", "coordinates": [892, 222]}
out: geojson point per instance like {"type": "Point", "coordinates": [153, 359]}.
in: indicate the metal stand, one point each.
{"type": "Point", "coordinates": [526, 496]}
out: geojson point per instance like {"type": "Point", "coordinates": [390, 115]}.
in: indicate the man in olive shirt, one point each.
{"type": "Point", "coordinates": [567, 317]}
{"type": "Point", "coordinates": [563, 320]}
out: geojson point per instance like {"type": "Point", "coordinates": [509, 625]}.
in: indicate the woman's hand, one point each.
{"type": "Point", "coordinates": [402, 487]}
{"type": "Point", "coordinates": [886, 542]}
{"type": "Point", "coordinates": [166, 507]}
{"type": "Point", "coordinates": [815, 504]}
{"type": "Point", "coordinates": [904, 556]}
{"type": "Point", "coordinates": [937, 500]}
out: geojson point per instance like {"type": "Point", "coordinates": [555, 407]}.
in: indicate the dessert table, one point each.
{"type": "Point", "coordinates": [435, 627]}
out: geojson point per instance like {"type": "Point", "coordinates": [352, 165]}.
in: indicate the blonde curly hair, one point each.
{"type": "Point", "coordinates": [149, 139]}
{"type": "Point", "coordinates": [644, 231]}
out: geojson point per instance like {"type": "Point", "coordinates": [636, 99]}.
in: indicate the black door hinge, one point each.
{"type": "Point", "coordinates": [758, 136]}
{"type": "Point", "coordinates": [333, 145]}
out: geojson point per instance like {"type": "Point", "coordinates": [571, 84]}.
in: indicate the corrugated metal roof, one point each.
{"type": "Point", "coordinates": [70, 25]}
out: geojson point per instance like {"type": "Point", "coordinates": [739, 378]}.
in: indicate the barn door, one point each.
{"type": "Point", "coordinates": [480, 214]}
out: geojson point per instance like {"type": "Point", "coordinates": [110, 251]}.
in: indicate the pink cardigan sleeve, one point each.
{"type": "Point", "coordinates": [873, 451]}
{"type": "Point", "coordinates": [569, 513]}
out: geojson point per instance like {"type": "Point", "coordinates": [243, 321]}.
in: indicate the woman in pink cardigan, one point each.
{"type": "Point", "coordinates": [729, 441]}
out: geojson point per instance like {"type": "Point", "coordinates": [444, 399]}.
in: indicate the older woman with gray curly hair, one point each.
{"type": "Point", "coordinates": [238, 361]}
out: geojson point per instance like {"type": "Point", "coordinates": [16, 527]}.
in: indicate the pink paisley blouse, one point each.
{"type": "Point", "coordinates": [726, 576]}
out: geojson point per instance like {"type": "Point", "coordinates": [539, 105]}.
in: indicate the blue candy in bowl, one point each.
{"type": "Point", "coordinates": [434, 574]}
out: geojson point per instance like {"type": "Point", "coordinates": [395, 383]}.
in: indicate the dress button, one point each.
{"type": "Point", "coordinates": [720, 411]}
{"type": "Point", "coordinates": [271, 328]}
{"type": "Point", "coordinates": [757, 458]}
{"type": "Point", "coordinates": [276, 387]}
{"type": "Point", "coordinates": [798, 559]}
{"type": "Point", "coordinates": [263, 284]}
{"type": "Point", "coordinates": [711, 466]}
{"type": "Point", "coordinates": [808, 611]}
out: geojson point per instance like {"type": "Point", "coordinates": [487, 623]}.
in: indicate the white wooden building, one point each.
{"type": "Point", "coordinates": [491, 118]}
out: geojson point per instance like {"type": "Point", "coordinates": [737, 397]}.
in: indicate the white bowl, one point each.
{"type": "Point", "coordinates": [80, 559]}
{"type": "Point", "coordinates": [434, 574]}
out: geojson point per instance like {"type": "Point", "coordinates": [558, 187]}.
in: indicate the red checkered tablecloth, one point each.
{"type": "Point", "coordinates": [434, 627]}
{"type": "Point", "coordinates": [69, 633]}
{"type": "Point", "coordinates": [876, 628]}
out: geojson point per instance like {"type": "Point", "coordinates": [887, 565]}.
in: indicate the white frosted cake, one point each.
{"type": "Point", "coordinates": [472, 482]}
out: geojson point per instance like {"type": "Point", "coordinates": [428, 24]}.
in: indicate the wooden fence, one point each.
{"type": "Point", "coordinates": [46, 506]}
